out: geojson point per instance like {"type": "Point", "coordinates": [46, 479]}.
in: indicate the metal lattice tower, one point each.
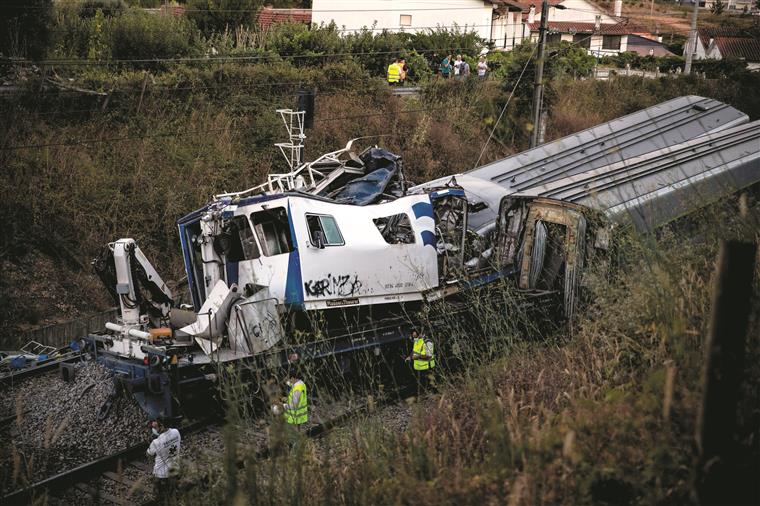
{"type": "Point", "coordinates": [293, 149]}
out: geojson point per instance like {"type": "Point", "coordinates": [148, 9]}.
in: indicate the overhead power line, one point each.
{"type": "Point", "coordinates": [332, 118]}
{"type": "Point", "coordinates": [223, 59]}
{"type": "Point", "coordinates": [80, 142]}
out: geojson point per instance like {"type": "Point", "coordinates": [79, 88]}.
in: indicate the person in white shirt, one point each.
{"type": "Point", "coordinates": [165, 449]}
{"type": "Point", "coordinates": [482, 67]}
{"type": "Point", "coordinates": [458, 67]}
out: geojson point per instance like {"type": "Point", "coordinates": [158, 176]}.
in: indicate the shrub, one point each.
{"type": "Point", "coordinates": [216, 16]}
{"type": "Point", "coordinates": [141, 35]}
{"type": "Point", "coordinates": [377, 50]}
{"type": "Point", "coordinates": [148, 4]}
{"type": "Point", "coordinates": [419, 68]}
{"type": "Point", "coordinates": [71, 33]}
{"type": "Point", "coordinates": [499, 63]}
{"type": "Point", "coordinates": [570, 60]}
{"type": "Point", "coordinates": [25, 28]}
{"type": "Point", "coordinates": [716, 69]}
{"type": "Point", "coordinates": [296, 39]}
{"type": "Point", "coordinates": [109, 8]}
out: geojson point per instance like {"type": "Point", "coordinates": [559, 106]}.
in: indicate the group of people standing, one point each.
{"type": "Point", "coordinates": [460, 69]}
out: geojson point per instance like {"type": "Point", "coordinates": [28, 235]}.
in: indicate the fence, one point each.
{"type": "Point", "coordinates": [61, 334]}
{"type": "Point", "coordinates": [604, 74]}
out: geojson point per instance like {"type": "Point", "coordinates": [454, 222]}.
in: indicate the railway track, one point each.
{"type": "Point", "coordinates": [105, 467]}
{"type": "Point", "coordinates": [91, 478]}
{"type": "Point", "coordinates": [47, 366]}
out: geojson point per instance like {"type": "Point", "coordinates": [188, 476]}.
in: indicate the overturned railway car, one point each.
{"type": "Point", "coordinates": [327, 265]}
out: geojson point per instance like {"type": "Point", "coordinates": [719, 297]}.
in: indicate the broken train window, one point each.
{"type": "Point", "coordinates": [547, 263]}
{"type": "Point", "coordinates": [324, 227]}
{"type": "Point", "coordinates": [273, 230]}
{"type": "Point", "coordinates": [236, 241]}
{"type": "Point", "coordinates": [396, 229]}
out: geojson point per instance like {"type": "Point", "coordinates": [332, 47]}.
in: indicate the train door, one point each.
{"type": "Point", "coordinates": [450, 216]}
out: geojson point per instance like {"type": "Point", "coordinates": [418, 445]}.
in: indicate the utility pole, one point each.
{"type": "Point", "coordinates": [538, 87]}
{"type": "Point", "coordinates": [691, 46]}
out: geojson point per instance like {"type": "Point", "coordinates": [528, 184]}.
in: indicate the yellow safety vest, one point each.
{"type": "Point", "coordinates": [300, 414]}
{"type": "Point", "coordinates": [419, 349]}
{"type": "Point", "coordinates": [394, 73]}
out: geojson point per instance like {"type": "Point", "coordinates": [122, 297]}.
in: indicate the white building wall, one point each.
{"type": "Point", "coordinates": [353, 15]}
{"type": "Point", "coordinates": [578, 11]}
{"type": "Point", "coordinates": [507, 30]}
{"type": "Point", "coordinates": [596, 43]}
{"type": "Point", "coordinates": [700, 53]}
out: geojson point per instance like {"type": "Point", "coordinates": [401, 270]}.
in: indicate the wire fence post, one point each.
{"type": "Point", "coordinates": [723, 474]}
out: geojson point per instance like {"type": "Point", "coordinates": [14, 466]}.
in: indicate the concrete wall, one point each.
{"type": "Point", "coordinates": [62, 334]}
{"type": "Point", "coordinates": [475, 15]}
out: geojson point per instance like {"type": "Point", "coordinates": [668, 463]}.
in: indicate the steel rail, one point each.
{"type": "Point", "coordinates": [89, 470]}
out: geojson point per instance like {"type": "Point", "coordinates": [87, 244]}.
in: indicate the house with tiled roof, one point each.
{"type": "Point", "coordinates": [504, 23]}
{"type": "Point", "coordinates": [746, 49]}
{"type": "Point", "coordinates": [497, 21]}
{"type": "Point", "coordinates": [584, 24]}
{"type": "Point", "coordinates": [720, 43]}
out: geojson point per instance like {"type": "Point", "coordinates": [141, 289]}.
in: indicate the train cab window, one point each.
{"type": "Point", "coordinates": [323, 227]}
{"type": "Point", "coordinates": [396, 229]}
{"type": "Point", "coordinates": [237, 242]}
{"type": "Point", "coordinates": [273, 230]}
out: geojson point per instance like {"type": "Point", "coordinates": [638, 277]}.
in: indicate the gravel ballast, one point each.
{"type": "Point", "coordinates": [57, 426]}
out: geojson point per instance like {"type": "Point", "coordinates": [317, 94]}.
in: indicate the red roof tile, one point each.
{"type": "Point", "coordinates": [269, 16]}
{"type": "Point", "coordinates": [705, 34]}
{"type": "Point", "coordinates": [743, 48]}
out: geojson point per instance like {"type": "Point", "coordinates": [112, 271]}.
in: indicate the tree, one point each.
{"type": "Point", "coordinates": [217, 15]}
{"type": "Point", "coordinates": [25, 28]}
{"type": "Point", "coordinates": [718, 7]}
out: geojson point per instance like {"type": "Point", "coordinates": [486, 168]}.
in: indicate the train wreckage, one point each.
{"type": "Point", "coordinates": [330, 259]}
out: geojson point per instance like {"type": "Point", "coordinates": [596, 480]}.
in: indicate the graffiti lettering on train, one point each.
{"type": "Point", "coordinates": [267, 324]}
{"type": "Point", "coordinates": [333, 286]}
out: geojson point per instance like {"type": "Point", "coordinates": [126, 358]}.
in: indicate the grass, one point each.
{"type": "Point", "coordinates": [605, 415]}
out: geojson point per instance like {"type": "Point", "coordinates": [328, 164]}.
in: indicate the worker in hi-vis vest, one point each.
{"type": "Point", "coordinates": [394, 72]}
{"type": "Point", "coordinates": [296, 410]}
{"type": "Point", "coordinates": [423, 359]}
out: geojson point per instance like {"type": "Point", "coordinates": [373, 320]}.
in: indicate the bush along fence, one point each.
{"type": "Point", "coordinates": [61, 334]}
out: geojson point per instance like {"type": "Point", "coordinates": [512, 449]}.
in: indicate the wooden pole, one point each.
{"type": "Point", "coordinates": [538, 82]}
{"type": "Point", "coordinates": [722, 471]}
{"type": "Point", "coordinates": [142, 92]}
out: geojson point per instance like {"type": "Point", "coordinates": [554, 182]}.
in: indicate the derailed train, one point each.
{"type": "Point", "coordinates": [330, 260]}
